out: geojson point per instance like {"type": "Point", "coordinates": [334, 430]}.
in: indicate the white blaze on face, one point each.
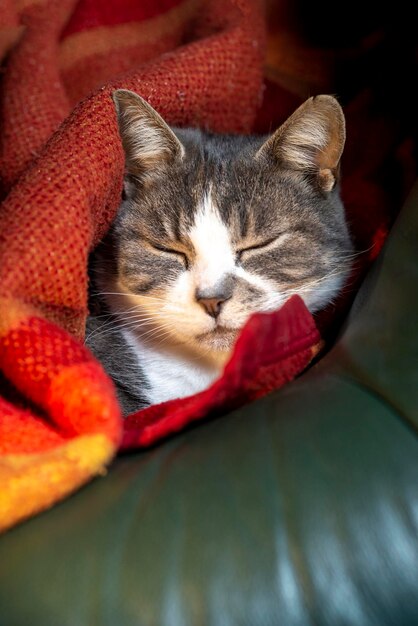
{"type": "Point", "coordinates": [211, 240]}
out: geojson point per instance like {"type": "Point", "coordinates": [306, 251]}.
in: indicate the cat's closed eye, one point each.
{"type": "Point", "coordinates": [243, 253]}
{"type": "Point", "coordinates": [178, 254]}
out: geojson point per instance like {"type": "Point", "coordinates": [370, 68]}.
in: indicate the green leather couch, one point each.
{"type": "Point", "coordinates": [298, 510]}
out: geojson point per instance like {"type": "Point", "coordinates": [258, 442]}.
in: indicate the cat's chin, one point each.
{"type": "Point", "coordinates": [219, 340]}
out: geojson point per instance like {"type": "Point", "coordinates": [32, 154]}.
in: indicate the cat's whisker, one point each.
{"type": "Point", "coordinates": [132, 318]}
{"type": "Point", "coordinates": [306, 287]}
{"type": "Point", "coordinates": [108, 293]}
{"type": "Point", "coordinates": [111, 323]}
{"type": "Point", "coordinates": [168, 309]}
{"type": "Point", "coordinates": [128, 316]}
{"type": "Point", "coordinates": [157, 334]}
{"type": "Point", "coordinates": [108, 331]}
{"type": "Point", "coordinates": [144, 315]}
{"type": "Point", "coordinates": [102, 315]}
{"type": "Point", "coordinates": [132, 323]}
{"type": "Point", "coordinates": [125, 294]}
{"type": "Point", "coordinates": [102, 293]}
{"type": "Point", "coordinates": [158, 299]}
{"type": "Point", "coordinates": [355, 254]}
{"type": "Point", "coordinates": [150, 298]}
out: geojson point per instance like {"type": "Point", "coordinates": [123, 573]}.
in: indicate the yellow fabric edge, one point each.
{"type": "Point", "coordinates": [31, 483]}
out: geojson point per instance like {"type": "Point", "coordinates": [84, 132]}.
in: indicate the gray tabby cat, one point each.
{"type": "Point", "coordinates": [212, 229]}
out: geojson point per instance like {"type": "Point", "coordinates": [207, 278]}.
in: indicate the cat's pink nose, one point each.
{"type": "Point", "coordinates": [212, 306]}
{"type": "Point", "coordinates": [212, 299]}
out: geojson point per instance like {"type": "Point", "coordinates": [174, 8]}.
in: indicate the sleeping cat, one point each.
{"type": "Point", "coordinates": [210, 230]}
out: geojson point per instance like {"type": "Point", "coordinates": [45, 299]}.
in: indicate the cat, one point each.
{"type": "Point", "coordinates": [211, 229]}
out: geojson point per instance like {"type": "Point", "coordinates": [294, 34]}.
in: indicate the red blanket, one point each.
{"type": "Point", "coordinates": [61, 168]}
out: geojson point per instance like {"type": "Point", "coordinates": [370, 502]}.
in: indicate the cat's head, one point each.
{"type": "Point", "coordinates": [215, 228]}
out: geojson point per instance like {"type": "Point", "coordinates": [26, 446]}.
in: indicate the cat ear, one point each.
{"type": "Point", "coordinates": [147, 140]}
{"type": "Point", "coordinates": [311, 140]}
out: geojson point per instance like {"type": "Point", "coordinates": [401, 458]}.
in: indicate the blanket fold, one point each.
{"type": "Point", "coordinates": [199, 63]}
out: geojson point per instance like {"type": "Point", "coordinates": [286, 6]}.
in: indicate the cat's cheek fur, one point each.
{"type": "Point", "coordinates": [255, 294]}
{"type": "Point", "coordinates": [320, 293]}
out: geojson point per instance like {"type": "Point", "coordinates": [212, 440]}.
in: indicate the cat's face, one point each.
{"type": "Point", "coordinates": [214, 228]}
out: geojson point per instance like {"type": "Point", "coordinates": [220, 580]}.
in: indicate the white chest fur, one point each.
{"type": "Point", "coordinates": [172, 373]}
